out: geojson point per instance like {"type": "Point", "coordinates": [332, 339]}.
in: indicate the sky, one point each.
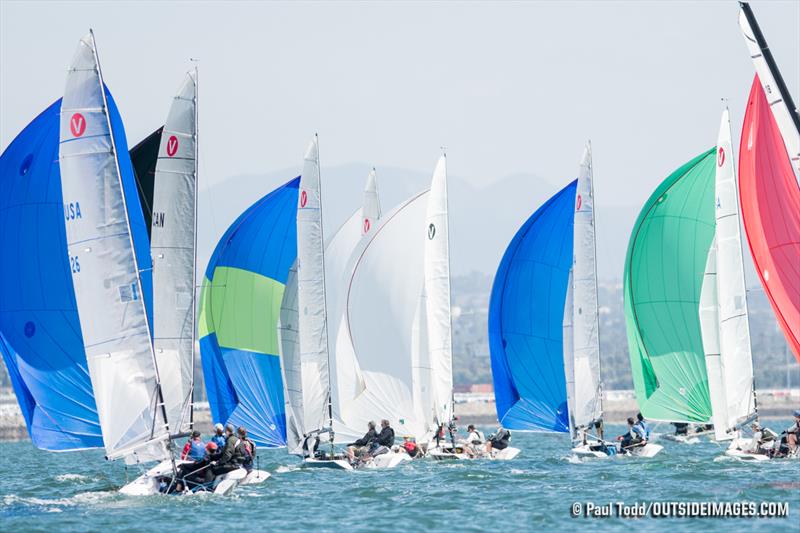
{"type": "Point", "coordinates": [509, 88]}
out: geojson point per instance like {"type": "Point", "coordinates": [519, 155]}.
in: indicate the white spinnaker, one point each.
{"type": "Point", "coordinates": [311, 304]}
{"type": "Point", "coordinates": [569, 354]}
{"type": "Point", "coordinates": [437, 295]}
{"type": "Point", "coordinates": [734, 326]}
{"type": "Point", "coordinates": [586, 406]}
{"type": "Point", "coordinates": [105, 273]}
{"type": "Point", "coordinates": [709, 329]}
{"type": "Point", "coordinates": [777, 101]}
{"type": "Point", "coordinates": [172, 245]}
{"type": "Point", "coordinates": [371, 209]}
{"type": "Point", "coordinates": [382, 307]}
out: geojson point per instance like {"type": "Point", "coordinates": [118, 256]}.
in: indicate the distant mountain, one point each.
{"type": "Point", "coordinates": [483, 219]}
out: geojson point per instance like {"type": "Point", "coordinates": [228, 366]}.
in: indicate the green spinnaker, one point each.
{"type": "Point", "coordinates": [663, 276]}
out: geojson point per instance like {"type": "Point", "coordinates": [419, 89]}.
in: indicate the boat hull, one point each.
{"type": "Point", "coordinates": [148, 484]}
{"type": "Point", "coordinates": [336, 464]}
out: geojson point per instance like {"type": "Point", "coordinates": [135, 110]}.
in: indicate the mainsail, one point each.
{"type": "Point", "coordinates": [770, 199]}
{"type": "Point", "coordinates": [723, 303]}
{"type": "Point", "coordinates": [239, 308]}
{"type": "Point", "coordinates": [107, 249]}
{"type": "Point", "coordinates": [173, 251]}
{"type": "Point", "coordinates": [582, 354]}
{"type": "Point", "coordinates": [437, 297]}
{"type": "Point", "coordinates": [775, 91]}
{"type": "Point", "coordinates": [526, 319]}
{"type": "Point", "coordinates": [40, 334]}
{"type": "Point", "coordinates": [664, 270]}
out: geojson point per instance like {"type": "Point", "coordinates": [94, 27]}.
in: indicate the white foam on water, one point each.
{"type": "Point", "coordinates": [283, 469]}
{"type": "Point", "coordinates": [71, 477]}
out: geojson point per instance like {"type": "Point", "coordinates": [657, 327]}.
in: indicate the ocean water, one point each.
{"type": "Point", "coordinates": [43, 491]}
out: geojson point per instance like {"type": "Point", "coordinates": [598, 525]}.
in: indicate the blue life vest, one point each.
{"type": "Point", "coordinates": [219, 440]}
{"type": "Point", "coordinates": [197, 450]}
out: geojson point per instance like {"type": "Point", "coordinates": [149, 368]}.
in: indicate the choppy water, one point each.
{"type": "Point", "coordinates": [77, 492]}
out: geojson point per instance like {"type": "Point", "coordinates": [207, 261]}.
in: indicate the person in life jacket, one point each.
{"type": "Point", "coordinates": [195, 448]}
{"type": "Point", "coordinates": [232, 454]}
{"type": "Point", "coordinates": [498, 441]}
{"type": "Point", "coordinates": [249, 448]}
{"type": "Point", "coordinates": [411, 447]}
{"type": "Point", "coordinates": [200, 472]}
{"type": "Point", "coordinates": [219, 435]}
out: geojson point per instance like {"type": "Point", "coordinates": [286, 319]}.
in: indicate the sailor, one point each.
{"type": "Point", "coordinates": [473, 442]}
{"type": "Point", "coordinates": [758, 438]}
{"type": "Point", "coordinates": [498, 441]}
{"type": "Point", "coordinates": [194, 448]}
{"type": "Point", "coordinates": [632, 437]}
{"type": "Point", "coordinates": [411, 447]}
{"type": "Point", "coordinates": [232, 454]}
{"type": "Point", "coordinates": [249, 448]}
{"type": "Point", "coordinates": [200, 471]}
{"type": "Point", "coordinates": [219, 435]}
{"type": "Point", "coordinates": [644, 428]}
{"type": "Point", "coordinates": [384, 441]}
{"type": "Point", "coordinates": [361, 446]}
{"type": "Point", "coordinates": [790, 438]}
{"type": "Point", "coordinates": [599, 429]}
{"type": "Point", "coordinates": [681, 428]}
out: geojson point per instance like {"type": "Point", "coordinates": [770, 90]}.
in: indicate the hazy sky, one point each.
{"type": "Point", "coordinates": [508, 87]}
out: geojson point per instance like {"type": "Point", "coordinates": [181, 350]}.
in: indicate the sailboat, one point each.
{"type": "Point", "coordinates": [543, 321]}
{"type": "Point", "coordinates": [768, 186]}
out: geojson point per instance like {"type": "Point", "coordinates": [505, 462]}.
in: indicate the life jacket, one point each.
{"type": "Point", "coordinates": [197, 449]}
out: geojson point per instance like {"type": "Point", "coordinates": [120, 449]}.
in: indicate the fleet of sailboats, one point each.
{"type": "Point", "coordinates": [304, 340]}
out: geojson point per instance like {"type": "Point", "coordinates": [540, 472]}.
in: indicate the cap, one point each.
{"type": "Point", "coordinates": [211, 446]}
{"type": "Point", "coordinates": [195, 434]}
{"type": "Point", "coordinates": [797, 412]}
{"type": "Point", "coordinates": [218, 426]}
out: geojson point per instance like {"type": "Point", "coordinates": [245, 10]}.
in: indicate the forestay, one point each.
{"type": "Point", "coordinates": [723, 308]}
{"type": "Point", "coordinates": [105, 261]}
{"type": "Point", "coordinates": [173, 238]}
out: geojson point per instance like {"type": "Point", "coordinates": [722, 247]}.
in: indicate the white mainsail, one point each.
{"type": "Point", "coordinates": [437, 296]}
{"type": "Point", "coordinates": [173, 238]}
{"type": "Point", "coordinates": [778, 96]}
{"type": "Point", "coordinates": [347, 382]}
{"type": "Point", "coordinates": [311, 298]}
{"type": "Point", "coordinates": [105, 271]}
{"type": "Point", "coordinates": [584, 399]}
{"type": "Point", "coordinates": [730, 366]}
{"type": "Point", "coordinates": [569, 354]}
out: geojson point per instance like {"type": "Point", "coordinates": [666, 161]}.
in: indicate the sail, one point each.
{"type": "Point", "coordinates": [348, 381]}
{"type": "Point", "coordinates": [371, 209]}
{"type": "Point", "coordinates": [569, 352]}
{"type": "Point", "coordinates": [172, 249]}
{"type": "Point", "coordinates": [144, 157]}
{"type": "Point", "coordinates": [312, 321]}
{"type": "Point", "coordinates": [437, 296]}
{"type": "Point", "coordinates": [40, 334]}
{"type": "Point", "coordinates": [386, 280]}
{"type": "Point", "coordinates": [723, 304]}
{"type": "Point", "coordinates": [239, 308]}
{"type": "Point", "coordinates": [107, 249]}
{"type": "Point", "coordinates": [770, 201]}
{"type": "Point", "coordinates": [664, 269]}
{"type": "Point", "coordinates": [585, 405]}
{"type": "Point", "coordinates": [526, 319]}
{"type": "Point", "coordinates": [774, 88]}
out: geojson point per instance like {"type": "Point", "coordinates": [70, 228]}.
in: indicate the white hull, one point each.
{"type": "Point", "coordinates": [336, 464]}
{"type": "Point", "coordinates": [255, 477]}
{"type": "Point", "coordinates": [585, 450]}
{"type": "Point", "coordinates": [747, 456]}
{"type": "Point", "coordinates": [387, 460]}
{"type": "Point", "coordinates": [648, 450]}
{"type": "Point", "coordinates": [446, 454]}
{"type": "Point", "coordinates": [147, 484]}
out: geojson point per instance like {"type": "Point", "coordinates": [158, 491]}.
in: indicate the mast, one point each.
{"type": "Point", "coordinates": [596, 290]}
{"type": "Point", "coordinates": [325, 299]}
{"type": "Point", "coordinates": [130, 238]}
{"type": "Point", "coordinates": [194, 261]}
{"type": "Point", "coordinates": [784, 96]}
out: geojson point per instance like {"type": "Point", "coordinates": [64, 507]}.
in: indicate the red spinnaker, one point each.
{"type": "Point", "coordinates": [770, 199]}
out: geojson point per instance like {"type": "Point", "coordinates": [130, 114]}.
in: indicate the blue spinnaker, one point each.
{"type": "Point", "coordinates": [239, 310]}
{"type": "Point", "coordinates": [40, 334]}
{"type": "Point", "coordinates": [526, 314]}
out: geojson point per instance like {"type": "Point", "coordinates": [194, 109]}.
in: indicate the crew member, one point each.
{"type": "Point", "coordinates": [194, 449]}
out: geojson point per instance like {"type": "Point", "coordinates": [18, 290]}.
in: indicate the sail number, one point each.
{"type": "Point", "coordinates": [74, 264]}
{"type": "Point", "coordinates": [72, 211]}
